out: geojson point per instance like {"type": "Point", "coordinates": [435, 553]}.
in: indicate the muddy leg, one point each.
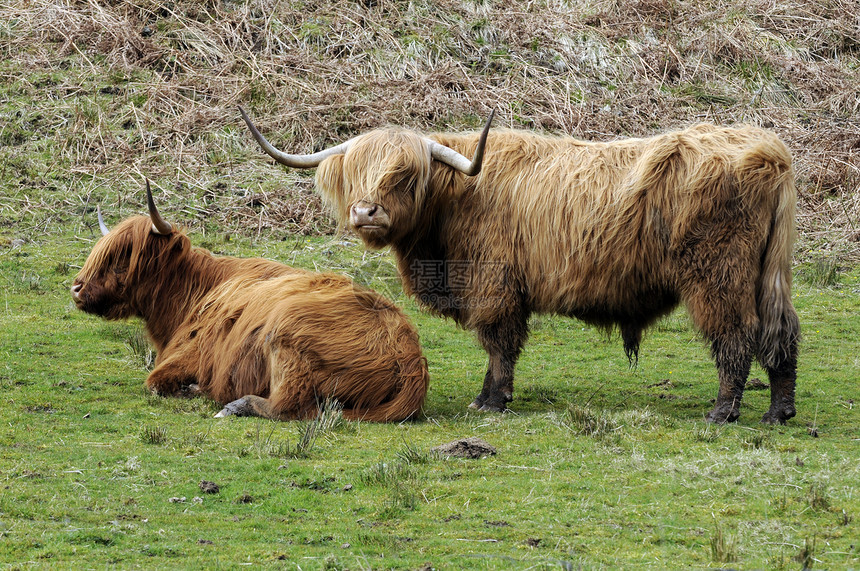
{"type": "Point", "coordinates": [503, 341]}
{"type": "Point", "coordinates": [780, 362]}
{"type": "Point", "coordinates": [733, 358]}
{"type": "Point", "coordinates": [782, 382]}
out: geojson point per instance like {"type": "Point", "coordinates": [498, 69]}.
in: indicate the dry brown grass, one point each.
{"type": "Point", "coordinates": [105, 92]}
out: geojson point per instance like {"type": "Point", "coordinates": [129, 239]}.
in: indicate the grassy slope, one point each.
{"type": "Point", "coordinates": [90, 102]}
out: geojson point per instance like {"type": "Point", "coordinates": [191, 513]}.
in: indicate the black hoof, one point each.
{"type": "Point", "coordinates": [494, 403]}
{"type": "Point", "coordinates": [778, 415]}
{"type": "Point", "coordinates": [722, 415]}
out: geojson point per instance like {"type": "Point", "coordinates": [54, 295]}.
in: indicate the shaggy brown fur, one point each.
{"type": "Point", "coordinates": [259, 337]}
{"type": "Point", "coordinates": [616, 234]}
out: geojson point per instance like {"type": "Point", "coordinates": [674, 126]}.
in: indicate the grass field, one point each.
{"type": "Point", "coordinates": [598, 465]}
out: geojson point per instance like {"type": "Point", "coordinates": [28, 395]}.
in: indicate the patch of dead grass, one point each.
{"type": "Point", "coordinates": [150, 87]}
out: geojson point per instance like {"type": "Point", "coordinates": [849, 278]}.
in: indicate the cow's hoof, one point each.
{"type": "Point", "coordinates": [722, 415]}
{"type": "Point", "coordinates": [238, 407]}
{"type": "Point", "coordinates": [495, 403]}
{"type": "Point", "coordinates": [491, 408]}
{"type": "Point", "coordinates": [778, 415]}
{"type": "Point", "coordinates": [191, 390]}
{"type": "Point", "coordinates": [771, 419]}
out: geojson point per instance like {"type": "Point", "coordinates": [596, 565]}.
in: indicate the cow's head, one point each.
{"type": "Point", "coordinates": [108, 283]}
{"type": "Point", "coordinates": [377, 183]}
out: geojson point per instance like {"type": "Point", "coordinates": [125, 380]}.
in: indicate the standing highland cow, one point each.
{"type": "Point", "coordinates": [259, 337]}
{"type": "Point", "coordinates": [616, 234]}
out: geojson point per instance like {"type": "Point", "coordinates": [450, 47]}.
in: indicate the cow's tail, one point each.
{"type": "Point", "coordinates": [767, 168]}
{"type": "Point", "coordinates": [407, 401]}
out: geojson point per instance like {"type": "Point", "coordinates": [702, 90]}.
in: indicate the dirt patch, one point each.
{"type": "Point", "coordinates": [472, 447]}
{"type": "Point", "coordinates": [208, 487]}
{"type": "Point", "coordinates": [756, 385]}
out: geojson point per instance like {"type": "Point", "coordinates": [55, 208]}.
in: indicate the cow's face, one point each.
{"type": "Point", "coordinates": [102, 286]}
{"type": "Point", "coordinates": [378, 187]}
{"type": "Point", "coordinates": [124, 265]}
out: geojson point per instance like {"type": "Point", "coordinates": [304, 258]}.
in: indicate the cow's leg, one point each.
{"type": "Point", "coordinates": [173, 377]}
{"type": "Point", "coordinates": [503, 341]}
{"type": "Point", "coordinates": [782, 376]}
{"type": "Point", "coordinates": [723, 307]}
{"type": "Point", "coordinates": [782, 381]}
{"type": "Point", "coordinates": [252, 405]}
{"type": "Point", "coordinates": [292, 388]}
{"type": "Point", "coordinates": [733, 355]}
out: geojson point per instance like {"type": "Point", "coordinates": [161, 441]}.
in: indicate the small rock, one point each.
{"type": "Point", "coordinates": [347, 487]}
{"type": "Point", "coordinates": [209, 487]}
{"type": "Point", "coordinates": [472, 447]}
{"type": "Point", "coordinates": [177, 500]}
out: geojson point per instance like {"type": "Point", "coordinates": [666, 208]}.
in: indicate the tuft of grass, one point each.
{"type": "Point", "coordinates": [818, 497]}
{"type": "Point", "coordinates": [822, 272]}
{"type": "Point", "coordinates": [400, 483]}
{"type": "Point", "coordinates": [757, 439]}
{"type": "Point", "coordinates": [153, 435]}
{"type": "Point", "coordinates": [707, 432]}
{"type": "Point", "coordinates": [386, 474]}
{"type": "Point", "coordinates": [806, 557]}
{"type": "Point", "coordinates": [399, 498]}
{"type": "Point", "coordinates": [329, 418]}
{"type": "Point", "coordinates": [597, 424]}
{"type": "Point", "coordinates": [723, 548]}
{"type": "Point", "coordinates": [142, 352]}
{"type": "Point", "coordinates": [29, 281]}
{"type": "Point", "coordinates": [412, 454]}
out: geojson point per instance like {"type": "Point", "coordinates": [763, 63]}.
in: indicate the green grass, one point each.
{"type": "Point", "coordinates": [598, 465]}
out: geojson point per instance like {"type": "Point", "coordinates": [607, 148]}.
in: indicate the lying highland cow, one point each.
{"type": "Point", "coordinates": [616, 234]}
{"type": "Point", "coordinates": [259, 337]}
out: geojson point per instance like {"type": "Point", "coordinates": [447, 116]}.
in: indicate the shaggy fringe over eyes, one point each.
{"type": "Point", "coordinates": [379, 167]}
{"type": "Point", "coordinates": [129, 245]}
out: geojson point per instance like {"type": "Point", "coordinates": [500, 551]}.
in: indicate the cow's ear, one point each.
{"type": "Point", "coordinates": [330, 183]}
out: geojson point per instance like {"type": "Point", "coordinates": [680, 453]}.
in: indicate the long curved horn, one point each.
{"type": "Point", "coordinates": [457, 161]}
{"type": "Point", "coordinates": [295, 161]}
{"type": "Point", "coordinates": [159, 224]}
{"type": "Point", "coordinates": [102, 226]}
